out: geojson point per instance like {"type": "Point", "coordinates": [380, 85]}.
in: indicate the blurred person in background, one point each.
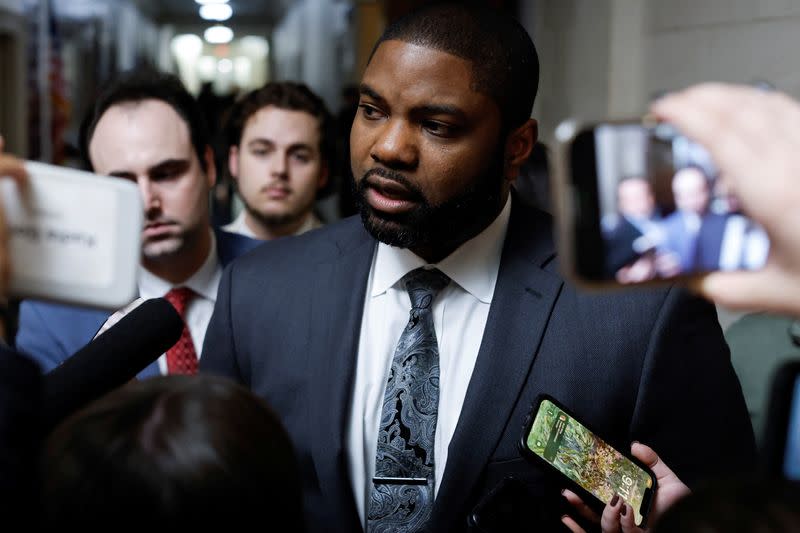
{"type": "Point", "coordinates": [280, 157]}
{"type": "Point", "coordinates": [145, 127]}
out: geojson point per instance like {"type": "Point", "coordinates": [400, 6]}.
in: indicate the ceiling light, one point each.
{"type": "Point", "coordinates": [216, 12]}
{"type": "Point", "coordinates": [208, 2]}
{"type": "Point", "coordinates": [187, 45]}
{"type": "Point", "coordinates": [218, 34]}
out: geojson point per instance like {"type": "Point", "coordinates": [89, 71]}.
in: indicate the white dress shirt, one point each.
{"type": "Point", "coordinates": [459, 316]}
{"type": "Point", "coordinates": [204, 283]}
{"type": "Point", "coordinates": [239, 225]}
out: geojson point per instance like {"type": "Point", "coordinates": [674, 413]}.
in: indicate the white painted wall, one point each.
{"type": "Point", "coordinates": [314, 43]}
{"type": "Point", "coordinates": [12, 6]}
{"type": "Point", "coordinates": [610, 57]}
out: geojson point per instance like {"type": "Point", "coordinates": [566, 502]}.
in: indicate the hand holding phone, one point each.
{"type": "Point", "coordinates": [74, 237]}
{"type": "Point", "coordinates": [639, 202]}
{"type": "Point", "coordinates": [11, 168]}
{"type": "Point", "coordinates": [670, 490]}
{"type": "Point", "coordinates": [593, 469]}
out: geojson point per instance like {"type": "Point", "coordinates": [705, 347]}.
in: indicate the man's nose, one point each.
{"type": "Point", "coordinates": [151, 199]}
{"type": "Point", "coordinates": [279, 165]}
{"type": "Point", "coordinates": [395, 146]}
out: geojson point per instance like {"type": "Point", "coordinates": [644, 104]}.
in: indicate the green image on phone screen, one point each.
{"type": "Point", "coordinates": [586, 459]}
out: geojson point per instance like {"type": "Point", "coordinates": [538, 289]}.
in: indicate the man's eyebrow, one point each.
{"type": "Point", "coordinates": [121, 174]}
{"type": "Point", "coordinates": [440, 109]}
{"type": "Point", "coordinates": [294, 146]}
{"type": "Point", "coordinates": [365, 89]}
{"type": "Point", "coordinates": [299, 146]}
{"type": "Point", "coordinates": [170, 164]}
{"type": "Point", "coordinates": [260, 140]}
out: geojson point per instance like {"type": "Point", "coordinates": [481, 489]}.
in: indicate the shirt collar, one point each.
{"type": "Point", "coordinates": [473, 265]}
{"type": "Point", "coordinates": [204, 282]}
{"type": "Point", "coordinates": [239, 225]}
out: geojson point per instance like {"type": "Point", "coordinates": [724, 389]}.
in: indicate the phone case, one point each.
{"type": "Point", "coordinates": [589, 498]}
{"type": "Point", "coordinates": [566, 200]}
{"type": "Point", "coordinates": [75, 237]}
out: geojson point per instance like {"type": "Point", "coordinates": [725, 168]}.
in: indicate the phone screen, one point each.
{"type": "Point", "coordinates": [586, 459]}
{"type": "Point", "coordinates": [663, 209]}
{"type": "Point", "coordinates": [791, 459]}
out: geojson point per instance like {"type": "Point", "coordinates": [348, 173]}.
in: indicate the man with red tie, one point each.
{"type": "Point", "coordinates": [145, 127]}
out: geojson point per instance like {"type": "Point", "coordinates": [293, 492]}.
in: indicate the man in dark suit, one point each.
{"type": "Point", "coordinates": [145, 127]}
{"type": "Point", "coordinates": [406, 423]}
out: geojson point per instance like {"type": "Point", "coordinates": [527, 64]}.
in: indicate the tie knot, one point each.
{"type": "Point", "coordinates": [423, 285]}
{"type": "Point", "coordinates": [179, 297]}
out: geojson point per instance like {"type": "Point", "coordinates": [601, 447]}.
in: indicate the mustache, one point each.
{"type": "Point", "coordinates": [156, 220]}
{"type": "Point", "coordinates": [392, 175]}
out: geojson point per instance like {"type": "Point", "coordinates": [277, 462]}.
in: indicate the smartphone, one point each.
{"type": "Point", "coordinates": [555, 438]}
{"type": "Point", "coordinates": [781, 451]}
{"type": "Point", "coordinates": [639, 202]}
{"type": "Point", "coordinates": [74, 237]}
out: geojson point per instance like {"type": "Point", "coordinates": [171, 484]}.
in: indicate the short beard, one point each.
{"type": "Point", "coordinates": [444, 226]}
{"type": "Point", "coordinates": [277, 220]}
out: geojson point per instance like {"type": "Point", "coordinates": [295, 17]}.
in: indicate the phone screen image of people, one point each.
{"type": "Point", "coordinates": [586, 459]}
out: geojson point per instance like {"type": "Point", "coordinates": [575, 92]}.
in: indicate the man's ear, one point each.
{"type": "Point", "coordinates": [233, 162]}
{"type": "Point", "coordinates": [518, 148]}
{"type": "Point", "coordinates": [211, 167]}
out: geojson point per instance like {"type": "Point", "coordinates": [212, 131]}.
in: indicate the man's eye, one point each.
{"type": "Point", "coordinates": [165, 175]}
{"type": "Point", "coordinates": [302, 158]}
{"type": "Point", "coordinates": [369, 112]}
{"type": "Point", "coordinates": [438, 128]}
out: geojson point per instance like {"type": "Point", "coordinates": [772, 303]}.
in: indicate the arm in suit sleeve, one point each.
{"type": "Point", "coordinates": [219, 347]}
{"type": "Point", "coordinates": [690, 408]}
{"type": "Point", "coordinates": [20, 433]}
{"type": "Point", "coordinates": [36, 339]}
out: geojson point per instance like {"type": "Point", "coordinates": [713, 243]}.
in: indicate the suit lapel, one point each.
{"type": "Point", "coordinates": [521, 306]}
{"type": "Point", "coordinates": [338, 304]}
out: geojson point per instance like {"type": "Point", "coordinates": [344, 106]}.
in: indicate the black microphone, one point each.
{"type": "Point", "coordinates": [110, 360]}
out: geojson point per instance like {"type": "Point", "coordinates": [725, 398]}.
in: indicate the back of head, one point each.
{"type": "Point", "coordinates": [286, 95]}
{"type": "Point", "coordinates": [735, 506]}
{"type": "Point", "coordinates": [146, 84]}
{"type": "Point", "coordinates": [504, 59]}
{"type": "Point", "coordinates": [172, 451]}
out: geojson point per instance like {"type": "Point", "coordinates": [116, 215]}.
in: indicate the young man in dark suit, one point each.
{"type": "Point", "coordinates": [406, 423]}
{"type": "Point", "coordinates": [147, 128]}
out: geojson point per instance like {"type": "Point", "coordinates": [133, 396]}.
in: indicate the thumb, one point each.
{"type": "Point", "coordinates": [771, 289]}
{"type": "Point", "coordinates": [650, 458]}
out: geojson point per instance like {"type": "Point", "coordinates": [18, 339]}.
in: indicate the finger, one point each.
{"type": "Point", "coordinates": [698, 110]}
{"type": "Point", "coordinates": [13, 168]}
{"type": "Point", "coordinates": [644, 453]}
{"type": "Point", "coordinates": [626, 520]}
{"type": "Point", "coordinates": [571, 524]}
{"type": "Point", "coordinates": [609, 521]}
{"type": "Point", "coordinates": [650, 458]}
{"type": "Point", "coordinates": [767, 290]}
{"type": "Point", "coordinates": [2, 143]}
{"type": "Point", "coordinates": [583, 509]}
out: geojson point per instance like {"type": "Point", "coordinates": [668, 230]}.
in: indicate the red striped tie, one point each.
{"type": "Point", "coordinates": [182, 357]}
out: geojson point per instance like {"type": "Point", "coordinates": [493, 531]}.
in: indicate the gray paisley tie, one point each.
{"type": "Point", "coordinates": [402, 489]}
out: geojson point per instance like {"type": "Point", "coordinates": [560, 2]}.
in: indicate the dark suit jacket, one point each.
{"type": "Point", "coordinates": [645, 365]}
{"type": "Point", "coordinates": [20, 434]}
{"type": "Point", "coordinates": [619, 246]}
{"type": "Point", "coordinates": [50, 333]}
{"type": "Point", "coordinates": [709, 241]}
